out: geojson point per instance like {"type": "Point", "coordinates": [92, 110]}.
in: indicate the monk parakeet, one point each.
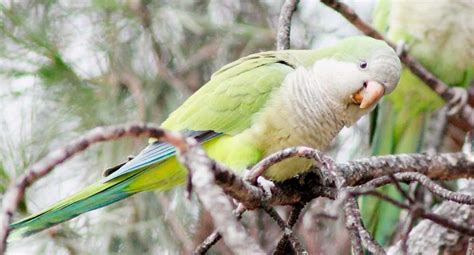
{"type": "Point", "coordinates": [250, 108]}
{"type": "Point", "coordinates": [440, 35]}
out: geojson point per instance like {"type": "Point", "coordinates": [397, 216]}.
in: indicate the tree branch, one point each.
{"type": "Point", "coordinates": [292, 219]}
{"type": "Point", "coordinates": [432, 186]}
{"type": "Point", "coordinates": [216, 236]}
{"type": "Point", "coordinates": [284, 24]}
{"type": "Point", "coordinates": [287, 231]}
{"type": "Point", "coordinates": [213, 198]}
{"type": "Point", "coordinates": [443, 166]}
{"type": "Point", "coordinates": [354, 223]}
{"type": "Point", "coordinates": [446, 166]}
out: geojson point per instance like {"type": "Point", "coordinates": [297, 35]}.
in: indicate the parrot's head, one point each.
{"type": "Point", "coordinates": [358, 72]}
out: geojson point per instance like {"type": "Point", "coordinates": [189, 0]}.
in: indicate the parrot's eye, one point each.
{"type": "Point", "coordinates": [363, 65]}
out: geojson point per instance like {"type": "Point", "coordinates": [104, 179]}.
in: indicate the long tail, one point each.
{"type": "Point", "coordinates": [95, 196]}
{"type": "Point", "coordinates": [154, 168]}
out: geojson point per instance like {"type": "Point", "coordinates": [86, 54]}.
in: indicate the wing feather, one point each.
{"type": "Point", "coordinates": [228, 102]}
{"type": "Point", "coordinates": [157, 152]}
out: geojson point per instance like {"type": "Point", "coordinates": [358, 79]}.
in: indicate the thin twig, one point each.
{"type": "Point", "coordinates": [418, 211]}
{"type": "Point", "coordinates": [353, 219]}
{"type": "Point", "coordinates": [284, 24]}
{"type": "Point", "coordinates": [406, 233]}
{"type": "Point", "coordinates": [287, 230]}
{"type": "Point", "coordinates": [276, 217]}
{"type": "Point", "coordinates": [215, 236]}
{"type": "Point", "coordinates": [443, 166]}
{"type": "Point", "coordinates": [432, 186]}
{"type": "Point", "coordinates": [142, 11]}
{"type": "Point", "coordinates": [400, 189]}
{"type": "Point", "coordinates": [295, 214]}
{"type": "Point", "coordinates": [292, 219]}
{"type": "Point", "coordinates": [351, 226]}
{"type": "Point", "coordinates": [208, 243]}
{"type": "Point", "coordinates": [383, 196]}
{"type": "Point", "coordinates": [448, 223]}
{"type": "Point", "coordinates": [354, 223]}
{"type": "Point", "coordinates": [134, 84]}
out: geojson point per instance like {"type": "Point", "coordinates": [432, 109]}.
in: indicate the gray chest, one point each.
{"type": "Point", "coordinates": [299, 116]}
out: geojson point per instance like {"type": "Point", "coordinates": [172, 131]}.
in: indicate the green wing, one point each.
{"type": "Point", "coordinates": [229, 101]}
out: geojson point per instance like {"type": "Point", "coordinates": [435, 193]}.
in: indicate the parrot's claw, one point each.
{"type": "Point", "coordinates": [458, 101]}
{"type": "Point", "coordinates": [266, 185]}
{"type": "Point", "coordinates": [401, 47]}
{"type": "Point", "coordinates": [263, 183]}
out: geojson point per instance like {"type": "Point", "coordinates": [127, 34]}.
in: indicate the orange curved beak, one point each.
{"type": "Point", "coordinates": [369, 95]}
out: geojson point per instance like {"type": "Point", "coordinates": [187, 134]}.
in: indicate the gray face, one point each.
{"type": "Point", "coordinates": [357, 72]}
{"type": "Point", "coordinates": [384, 67]}
{"type": "Point", "coordinates": [374, 59]}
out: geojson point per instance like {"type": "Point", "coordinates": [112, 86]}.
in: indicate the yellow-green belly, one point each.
{"type": "Point", "coordinates": [233, 152]}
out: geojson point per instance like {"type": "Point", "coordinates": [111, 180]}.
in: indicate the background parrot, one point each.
{"type": "Point", "coordinates": [249, 109]}
{"type": "Point", "coordinates": [440, 35]}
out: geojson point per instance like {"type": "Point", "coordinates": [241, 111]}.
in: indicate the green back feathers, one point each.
{"type": "Point", "coordinates": [235, 93]}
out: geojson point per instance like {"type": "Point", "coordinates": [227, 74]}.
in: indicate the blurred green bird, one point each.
{"type": "Point", "coordinates": [440, 34]}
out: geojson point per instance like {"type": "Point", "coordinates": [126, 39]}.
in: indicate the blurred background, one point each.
{"type": "Point", "coordinates": [69, 66]}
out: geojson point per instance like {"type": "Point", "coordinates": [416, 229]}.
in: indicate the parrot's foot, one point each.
{"type": "Point", "coordinates": [266, 185]}
{"type": "Point", "coordinates": [401, 47]}
{"type": "Point", "coordinates": [263, 183]}
{"type": "Point", "coordinates": [458, 101]}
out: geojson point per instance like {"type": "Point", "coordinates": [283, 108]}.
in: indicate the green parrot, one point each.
{"type": "Point", "coordinates": [250, 108]}
{"type": "Point", "coordinates": [440, 35]}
